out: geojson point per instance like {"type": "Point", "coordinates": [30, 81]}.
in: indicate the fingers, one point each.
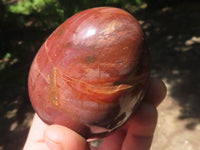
{"type": "Point", "coordinates": [137, 133]}
{"type": "Point", "coordinates": [113, 142]}
{"type": "Point", "coordinates": [61, 138]}
{"type": "Point", "coordinates": [140, 128]}
{"type": "Point", "coordinates": [137, 143]}
{"type": "Point", "coordinates": [144, 121]}
{"type": "Point", "coordinates": [156, 92]}
{"type": "Point", "coordinates": [35, 137]}
{"type": "Point", "coordinates": [53, 137]}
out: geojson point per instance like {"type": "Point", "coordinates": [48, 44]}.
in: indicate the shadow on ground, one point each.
{"type": "Point", "coordinates": [174, 40]}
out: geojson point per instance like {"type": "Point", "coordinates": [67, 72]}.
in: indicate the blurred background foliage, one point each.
{"type": "Point", "coordinates": [172, 28]}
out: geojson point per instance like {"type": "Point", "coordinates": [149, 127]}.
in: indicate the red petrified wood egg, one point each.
{"type": "Point", "coordinates": [91, 72]}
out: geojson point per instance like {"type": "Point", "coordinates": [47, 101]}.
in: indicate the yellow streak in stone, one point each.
{"type": "Point", "coordinates": [55, 99]}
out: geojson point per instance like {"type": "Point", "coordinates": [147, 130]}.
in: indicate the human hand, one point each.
{"type": "Point", "coordinates": [136, 134]}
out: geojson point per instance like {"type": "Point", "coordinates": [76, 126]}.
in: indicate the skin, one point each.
{"type": "Point", "coordinates": [136, 134]}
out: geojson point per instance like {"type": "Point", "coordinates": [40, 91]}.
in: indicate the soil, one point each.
{"type": "Point", "coordinates": [172, 132]}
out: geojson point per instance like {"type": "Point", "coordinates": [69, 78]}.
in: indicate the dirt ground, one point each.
{"type": "Point", "coordinates": [173, 133]}
{"type": "Point", "coordinates": [173, 35]}
{"type": "Point", "coordinates": [179, 115]}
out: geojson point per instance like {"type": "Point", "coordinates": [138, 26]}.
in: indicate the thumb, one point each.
{"type": "Point", "coordinates": [61, 138]}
